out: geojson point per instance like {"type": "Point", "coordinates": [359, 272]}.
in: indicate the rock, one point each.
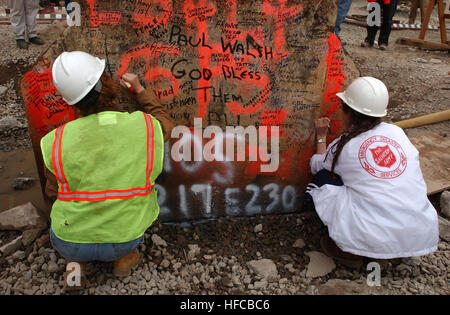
{"type": "Point", "coordinates": [412, 261]}
{"type": "Point", "coordinates": [3, 90]}
{"type": "Point", "coordinates": [53, 257]}
{"type": "Point", "coordinates": [177, 266]}
{"type": "Point", "coordinates": [8, 123]}
{"type": "Point", "coordinates": [194, 250]}
{"type": "Point", "coordinates": [258, 228]}
{"type": "Point", "coordinates": [421, 60]}
{"type": "Point", "coordinates": [311, 290]}
{"type": "Point", "coordinates": [299, 243]}
{"type": "Point", "coordinates": [264, 267]}
{"type": "Point", "coordinates": [346, 287]}
{"type": "Point", "coordinates": [41, 241]}
{"type": "Point", "coordinates": [444, 229]}
{"type": "Point", "coordinates": [23, 183]}
{"type": "Point", "coordinates": [226, 282]}
{"type": "Point", "coordinates": [22, 218]}
{"type": "Point", "coordinates": [260, 284]}
{"type": "Point", "coordinates": [11, 247]}
{"type": "Point", "coordinates": [165, 263]}
{"type": "Point", "coordinates": [445, 204]}
{"type": "Point", "coordinates": [52, 267]}
{"type": "Point", "coordinates": [158, 241]}
{"type": "Point", "coordinates": [435, 61]}
{"type": "Point", "coordinates": [147, 275]}
{"type": "Point", "coordinates": [403, 267]}
{"type": "Point", "coordinates": [19, 255]}
{"type": "Point", "coordinates": [29, 236]}
{"type": "Point", "coordinates": [319, 264]}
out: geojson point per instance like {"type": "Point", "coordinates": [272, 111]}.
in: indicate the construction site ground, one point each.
{"type": "Point", "coordinates": [211, 257]}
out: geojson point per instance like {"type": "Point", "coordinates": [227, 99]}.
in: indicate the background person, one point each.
{"type": "Point", "coordinates": [23, 20]}
{"type": "Point", "coordinates": [344, 6]}
{"type": "Point", "coordinates": [101, 167]}
{"type": "Point", "coordinates": [388, 9]}
{"type": "Point", "coordinates": [368, 187]}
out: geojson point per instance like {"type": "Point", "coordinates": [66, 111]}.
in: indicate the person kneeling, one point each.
{"type": "Point", "coordinates": [102, 167]}
{"type": "Point", "coordinates": [368, 187]}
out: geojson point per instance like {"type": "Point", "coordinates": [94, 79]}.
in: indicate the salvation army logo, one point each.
{"type": "Point", "coordinates": [382, 157]}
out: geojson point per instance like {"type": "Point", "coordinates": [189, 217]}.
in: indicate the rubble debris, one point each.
{"type": "Point", "coordinates": [11, 247]}
{"type": "Point", "coordinates": [299, 243]}
{"type": "Point", "coordinates": [444, 229]}
{"type": "Point", "coordinates": [445, 204]}
{"type": "Point", "coordinates": [266, 268]}
{"type": "Point", "coordinates": [23, 183]}
{"type": "Point", "coordinates": [21, 218]}
{"type": "Point", "coordinates": [319, 264]}
{"type": "Point", "coordinates": [158, 241]}
{"type": "Point", "coordinates": [258, 228]}
{"type": "Point", "coordinates": [8, 123]}
{"type": "Point", "coordinates": [29, 236]}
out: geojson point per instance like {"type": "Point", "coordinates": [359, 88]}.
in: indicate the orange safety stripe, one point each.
{"type": "Point", "coordinates": [56, 159]}
{"type": "Point", "coordinates": [67, 195]}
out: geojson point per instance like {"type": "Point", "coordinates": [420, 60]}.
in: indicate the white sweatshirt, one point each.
{"type": "Point", "coordinates": [382, 211]}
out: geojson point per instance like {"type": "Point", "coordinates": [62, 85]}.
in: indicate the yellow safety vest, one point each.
{"type": "Point", "coordinates": [106, 165]}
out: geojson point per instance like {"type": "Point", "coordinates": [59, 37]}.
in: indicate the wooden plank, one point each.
{"type": "Point", "coordinates": [422, 43]}
{"type": "Point", "coordinates": [426, 19]}
{"type": "Point", "coordinates": [434, 161]}
{"type": "Point", "coordinates": [442, 22]}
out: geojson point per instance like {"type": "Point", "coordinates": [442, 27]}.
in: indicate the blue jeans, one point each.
{"type": "Point", "coordinates": [79, 252]}
{"type": "Point", "coordinates": [344, 6]}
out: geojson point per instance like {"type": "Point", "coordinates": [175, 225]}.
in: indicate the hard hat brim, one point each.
{"type": "Point", "coordinates": [341, 95]}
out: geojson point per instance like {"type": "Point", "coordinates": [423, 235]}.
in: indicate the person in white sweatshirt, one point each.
{"type": "Point", "coordinates": [368, 187]}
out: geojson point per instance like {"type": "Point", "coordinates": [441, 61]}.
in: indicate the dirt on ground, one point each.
{"type": "Point", "coordinates": [212, 257]}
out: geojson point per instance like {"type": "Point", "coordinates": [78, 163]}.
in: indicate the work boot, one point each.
{"type": "Point", "coordinates": [122, 266]}
{"type": "Point", "coordinates": [330, 248]}
{"type": "Point", "coordinates": [36, 40]}
{"type": "Point", "coordinates": [77, 280]}
{"type": "Point", "coordinates": [22, 44]}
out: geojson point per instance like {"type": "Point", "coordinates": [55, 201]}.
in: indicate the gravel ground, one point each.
{"type": "Point", "coordinates": [14, 63]}
{"type": "Point", "coordinates": [211, 257]}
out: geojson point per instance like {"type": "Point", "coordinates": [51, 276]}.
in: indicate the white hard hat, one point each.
{"type": "Point", "coordinates": [366, 95]}
{"type": "Point", "coordinates": [75, 74]}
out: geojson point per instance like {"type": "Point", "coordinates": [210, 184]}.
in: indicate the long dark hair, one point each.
{"type": "Point", "coordinates": [359, 123]}
{"type": "Point", "coordinates": [95, 102]}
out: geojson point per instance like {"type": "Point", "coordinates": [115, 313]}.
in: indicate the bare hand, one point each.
{"type": "Point", "coordinates": [321, 125]}
{"type": "Point", "coordinates": [132, 81]}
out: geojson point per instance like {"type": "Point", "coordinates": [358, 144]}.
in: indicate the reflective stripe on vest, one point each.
{"type": "Point", "coordinates": [64, 192]}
